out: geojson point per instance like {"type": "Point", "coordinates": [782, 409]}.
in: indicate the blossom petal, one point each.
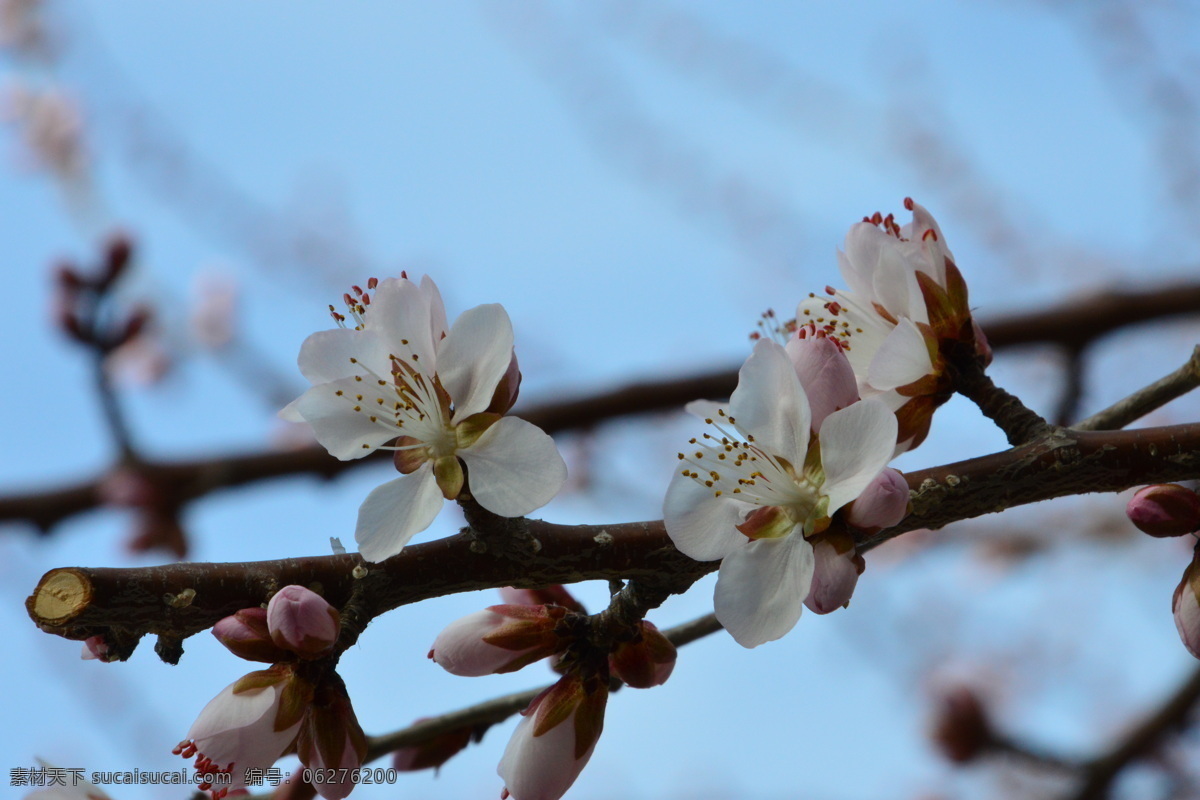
{"type": "Point", "coordinates": [474, 357]}
{"type": "Point", "coordinates": [347, 434]}
{"type": "Point", "coordinates": [901, 359]}
{"type": "Point", "coordinates": [761, 588]}
{"type": "Point", "coordinates": [514, 468]}
{"type": "Point", "coordinates": [770, 402]}
{"type": "Point", "coordinates": [400, 313]}
{"type": "Point", "coordinates": [326, 355]}
{"type": "Point", "coordinates": [702, 526]}
{"type": "Point", "coordinates": [825, 374]}
{"type": "Point", "coordinates": [437, 309]}
{"type": "Point", "coordinates": [706, 409]}
{"type": "Point", "coordinates": [856, 443]}
{"type": "Point", "coordinates": [395, 511]}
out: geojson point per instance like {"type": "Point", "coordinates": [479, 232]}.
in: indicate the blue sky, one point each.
{"type": "Point", "coordinates": [635, 182]}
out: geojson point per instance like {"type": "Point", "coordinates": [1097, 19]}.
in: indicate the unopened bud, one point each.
{"type": "Point", "coordinates": [1186, 607]}
{"type": "Point", "coordinates": [646, 661]}
{"type": "Point", "coordinates": [1166, 509]}
{"type": "Point", "coordinates": [301, 621]}
{"type": "Point", "coordinates": [498, 639]}
{"type": "Point", "coordinates": [96, 648]}
{"type": "Point", "coordinates": [432, 752]}
{"type": "Point", "coordinates": [961, 729]}
{"type": "Point", "coordinates": [882, 504]}
{"type": "Point", "coordinates": [117, 253]}
{"type": "Point", "coordinates": [507, 390]}
{"type": "Point", "coordinates": [554, 740]}
{"type": "Point", "coordinates": [553, 595]}
{"type": "Point", "coordinates": [247, 636]}
{"type": "Point", "coordinates": [134, 325]}
{"type": "Point", "coordinates": [835, 572]}
{"type": "Point", "coordinates": [331, 741]}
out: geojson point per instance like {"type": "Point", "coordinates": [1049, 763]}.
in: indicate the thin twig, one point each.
{"type": "Point", "coordinates": [1143, 401]}
{"type": "Point", "coordinates": [1171, 717]}
{"type": "Point", "coordinates": [1072, 391]}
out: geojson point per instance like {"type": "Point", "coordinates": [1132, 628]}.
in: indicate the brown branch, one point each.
{"type": "Point", "coordinates": [1140, 742]}
{"type": "Point", "coordinates": [1070, 325]}
{"type": "Point", "coordinates": [178, 600]}
{"type": "Point", "coordinates": [1018, 422]}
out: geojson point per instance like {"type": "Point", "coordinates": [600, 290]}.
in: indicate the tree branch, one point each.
{"type": "Point", "coordinates": [1143, 401]}
{"type": "Point", "coordinates": [1171, 716]}
{"type": "Point", "coordinates": [1070, 325]}
{"type": "Point", "coordinates": [177, 600]}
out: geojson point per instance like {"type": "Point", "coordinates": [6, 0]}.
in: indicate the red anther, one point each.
{"type": "Point", "coordinates": [357, 290]}
{"type": "Point", "coordinates": [908, 203]}
{"type": "Point", "coordinates": [366, 299]}
{"type": "Point", "coordinates": [347, 299]}
{"type": "Point", "coordinates": [372, 283]}
{"type": "Point", "coordinates": [754, 337]}
{"type": "Point", "coordinates": [830, 290]}
{"type": "Point", "coordinates": [404, 274]}
{"type": "Point", "coordinates": [877, 218]}
{"type": "Point", "coordinates": [834, 307]}
{"type": "Point", "coordinates": [770, 313]}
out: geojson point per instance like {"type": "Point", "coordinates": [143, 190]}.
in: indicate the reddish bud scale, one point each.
{"type": "Point", "coordinates": [645, 661]}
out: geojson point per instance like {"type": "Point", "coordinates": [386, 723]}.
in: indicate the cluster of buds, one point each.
{"type": "Point", "coordinates": [79, 300]}
{"type": "Point", "coordinates": [1164, 511]}
{"type": "Point", "coordinates": [559, 729]}
{"type": "Point", "coordinates": [297, 703]}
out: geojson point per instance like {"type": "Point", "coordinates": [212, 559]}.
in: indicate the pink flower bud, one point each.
{"type": "Point", "coordinates": [645, 661]}
{"type": "Point", "coordinates": [1186, 608]}
{"type": "Point", "coordinates": [554, 740]}
{"type": "Point", "coordinates": [96, 648]}
{"type": "Point", "coordinates": [1167, 509]}
{"type": "Point", "coordinates": [835, 573]}
{"type": "Point", "coordinates": [301, 621]}
{"type": "Point", "coordinates": [882, 504]}
{"type": "Point", "coordinates": [331, 738]}
{"type": "Point", "coordinates": [824, 372]}
{"type": "Point", "coordinates": [432, 752]}
{"type": "Point", "coordinates": [498, 639]}
{"type": "Point", "coordinates": [553, 595]}
{"type": "Point", "coordinates": [248, 636]}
